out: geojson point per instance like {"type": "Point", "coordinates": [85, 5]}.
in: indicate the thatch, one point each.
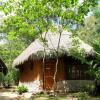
{"type": "Point", "coordinates": [36, 49]}
{"type": "Point", "coordinates": [3, 67]}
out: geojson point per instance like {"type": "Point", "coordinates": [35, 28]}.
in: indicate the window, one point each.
{"type": "Point", "coordinates": [77, 72]}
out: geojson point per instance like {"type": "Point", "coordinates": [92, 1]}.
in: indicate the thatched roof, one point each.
{"type": "Point", "coordinates": [3, 67]}
{"type": "Point", "coordinates": [36, 49]}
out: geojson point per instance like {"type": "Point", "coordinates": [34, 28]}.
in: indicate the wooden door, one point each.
{"type": "Point", "coordinates": [49, 71]}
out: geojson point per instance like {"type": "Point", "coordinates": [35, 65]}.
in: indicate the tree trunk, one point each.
{"type": "Point", "coordinates": [57, 61]}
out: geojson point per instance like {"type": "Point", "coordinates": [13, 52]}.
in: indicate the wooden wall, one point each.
{"type": "Point", "coordinates": [31, 71]}
{"type": "Point", "coordinates": [49, 72]}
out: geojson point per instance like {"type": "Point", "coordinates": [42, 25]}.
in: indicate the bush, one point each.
{"type": "Point", "coordinates": [15, 75]}
{"type": "Point", "coordinates": [1, 78]}
{"type": "Point", "coordinates": [22, 89]}
{"type": "Point", "coordinates": [11, 78]}
{"type": "Point", "coordinates": [83, 96]}
{"type": "Point", "coordinates": [89, 88]}
{"type": "Point", "coordinates": [8, 80]}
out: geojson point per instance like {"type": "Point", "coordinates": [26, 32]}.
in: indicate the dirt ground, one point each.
{"type": "Point", "coordinates": [11, 94]}
{"type": "Point", "coordinates": [27, 96]}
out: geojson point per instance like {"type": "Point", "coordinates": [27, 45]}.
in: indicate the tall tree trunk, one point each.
{"type": "Point", "coordinates": [44, 55]}
{"type": "Point", "coordinates": [55, 74]}
{"type": "Point", "coordinates": [10, 56]}
{"type": "Point", "coordinates": [57, 62]}
{"type": "Point", "coordinates": [44, 68]}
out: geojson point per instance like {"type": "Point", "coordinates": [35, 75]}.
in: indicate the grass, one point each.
{"type": "Point", "coordinates": [84, 96]}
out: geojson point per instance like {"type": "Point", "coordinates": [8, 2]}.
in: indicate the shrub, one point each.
{"type": "Point", "coordinates": [8, 80]}
{"type": "Point", "coordinates": [1, 78]}
{"type": "Point", "coordinates": [15, 75]}
{"type": "Point", "coordinates": [22, 89]}
{"type": "Point", "coordinates": [89, 88]}
{"type": "Point", "coordinates": [83, 96]}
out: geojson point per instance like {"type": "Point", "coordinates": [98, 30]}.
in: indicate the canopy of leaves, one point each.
{"type": "Point", "coordinates": [10, 50]}
{"type": "Point", "coordinates": [26, 19]}
{"type": "Point", "coordinates": [90, 33]}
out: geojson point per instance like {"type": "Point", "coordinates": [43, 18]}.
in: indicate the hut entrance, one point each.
{"type": "Point", "coordinates": [49, 71]}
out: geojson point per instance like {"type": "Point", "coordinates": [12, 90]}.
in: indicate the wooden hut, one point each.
{"type": "Point", "coordinates": [3, 67]}
{"type": "Point", "coordinates": [37, 64]}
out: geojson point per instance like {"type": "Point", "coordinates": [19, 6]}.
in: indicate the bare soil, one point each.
{"type": "Point", "coordinates": [11, 94]}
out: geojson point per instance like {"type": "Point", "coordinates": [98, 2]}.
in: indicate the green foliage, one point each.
{"type": "Point", "coordinates": [76, 51]}
{"type": "Point", "coordinates": [22, 89]}
{"type": "Point", "coordinates": [90, 32]}
{"type": "Point", "coordinates": [89, 88]}
{"type": "Point", "coordinates": [96, 45]}
{"type": "Point", "coordinates": [1, 77]}
{"type": "Point", "coordinates": [83, 96]}
{"type": "Point", "coordinates": [10, 50]}
{"type": "Point", "coordinates": [11, 78]}
{"type": "Point", "coordinates": [26, 20]}
{"type": "Point", "coordinates": [15, 75]}
{"type": "Point", "coordinates": [94, 71]}
{"type": "Point", "coordinates": [8, 80]}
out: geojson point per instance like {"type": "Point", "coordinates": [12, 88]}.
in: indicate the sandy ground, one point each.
{"type": "Point", "coordinates": [25, 96]}
{"type": "Point", "coordinates": [8, 96]}
{"type": "Point", "coordinates": [12, 95]}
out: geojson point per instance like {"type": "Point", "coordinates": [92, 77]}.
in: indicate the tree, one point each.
{"type": "Point", "coordinates": [10, 50]}
{"type": "Point", "coordinates": [90, 33]}
{"type": "Point", "coordinates": [28, 18]}
{"type": "Point", "coordinates": [32, 18]}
